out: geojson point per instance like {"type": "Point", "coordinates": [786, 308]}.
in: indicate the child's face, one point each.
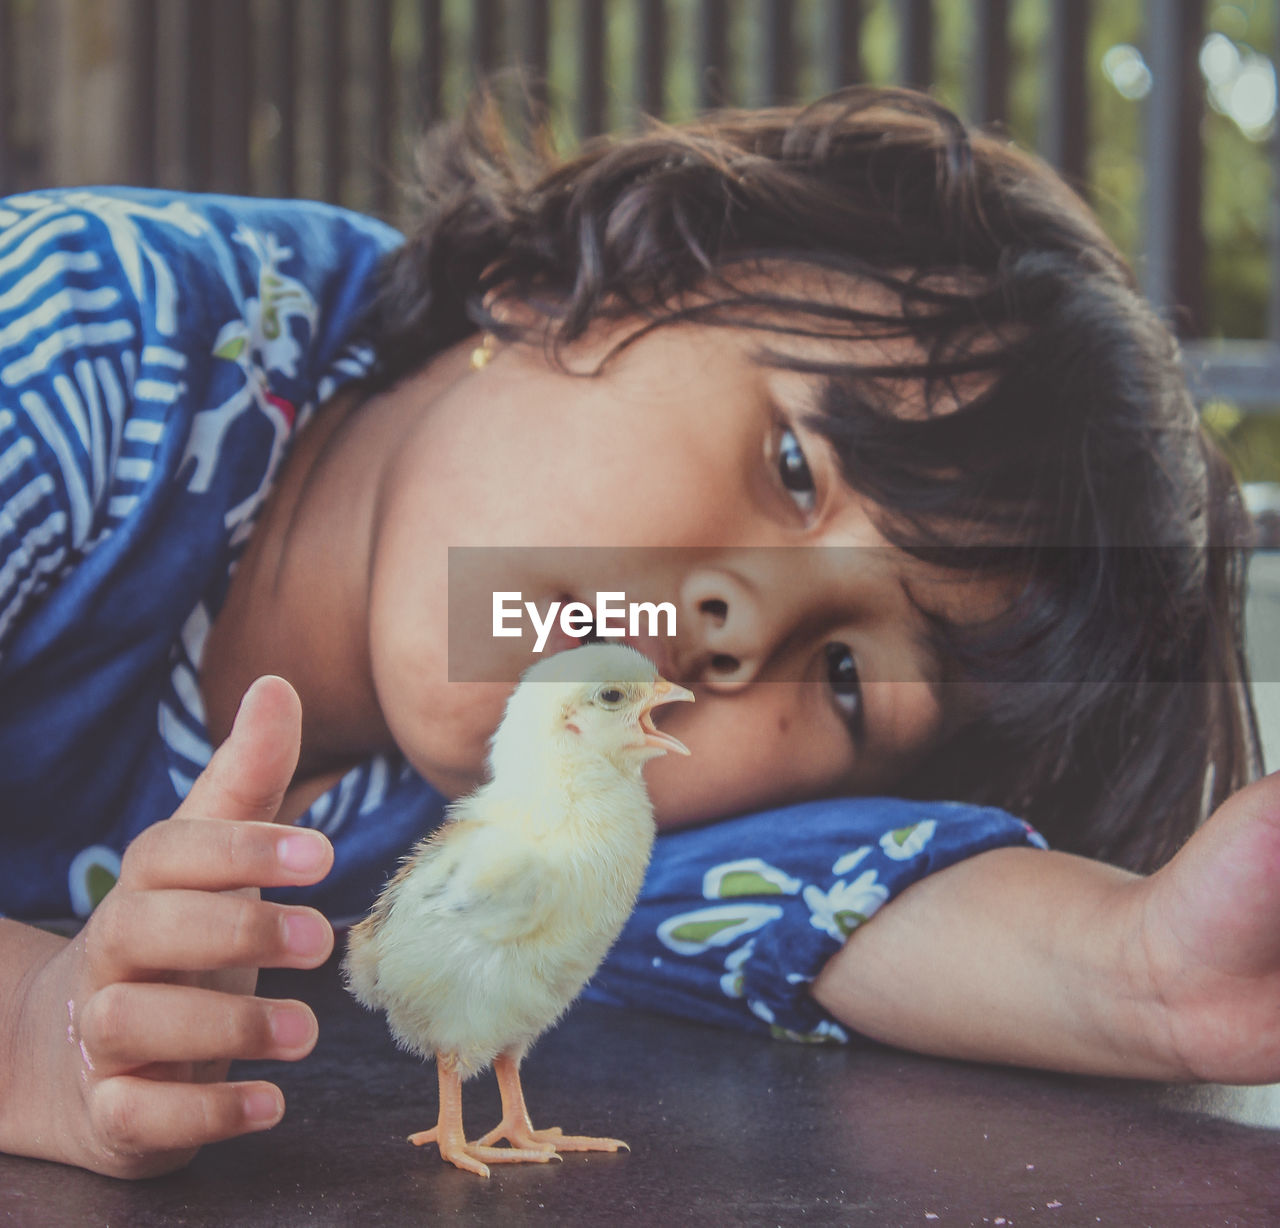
{"type": "Point", "coordinates": [687, 460]}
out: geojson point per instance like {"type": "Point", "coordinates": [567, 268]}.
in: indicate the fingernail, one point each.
{"type": "Point", "coordinates": [244, 699]}
{"type": "Point", "coordinates": [306, 934]}
{"type": "Point", "coordinates": [262, 1107]}
{"type": "Point", "coordinates": [301, 852]}
{"type": "Point", "coordinates": [254, 687]}
{"type": "Point", "coordinates": [290, 1029]}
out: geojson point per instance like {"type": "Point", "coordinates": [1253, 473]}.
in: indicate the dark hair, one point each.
{"type": "Point", "coordinates": [1056, 446]}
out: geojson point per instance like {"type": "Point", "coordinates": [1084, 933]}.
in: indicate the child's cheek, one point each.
{"type": "Point", "coordinates": [748, 752]}
{"type": "Point", "coordinates": [442, 727]}
{"type": "Point", "coordinates": [446, 738]}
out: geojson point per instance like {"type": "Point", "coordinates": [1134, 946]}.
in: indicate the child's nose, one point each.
{"type": "Point", "coordinates": [730, 642]}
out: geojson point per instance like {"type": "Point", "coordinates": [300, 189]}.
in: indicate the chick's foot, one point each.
{"type": "Point", "coordinates": [516, 1127]}
{"type": "Point", "coordinates": [448, 1134]}
{"type": "Point", "coordinates": [471, 1157]}
{"type": "Point", "coordinates": [524, 1136]}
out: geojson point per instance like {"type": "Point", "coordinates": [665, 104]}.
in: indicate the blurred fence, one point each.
{"type": "Point", "coordinates": [321, 98]}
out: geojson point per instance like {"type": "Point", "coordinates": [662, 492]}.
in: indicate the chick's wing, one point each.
{"type": "Point", "coordinates": [481, 875]}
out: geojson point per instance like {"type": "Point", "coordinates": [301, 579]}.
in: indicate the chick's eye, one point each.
{"type": "Point", "coordinates": [793, 470]}
{"type": "Point", "coordinates": [610, 697]}
{"type": "Point", "coordinates": [846, 687]}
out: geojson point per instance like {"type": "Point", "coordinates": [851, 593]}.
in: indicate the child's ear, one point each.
{"type": "Point", "coordinates": [507, 317]}
{"type": "Point", "coordinates": [509, 312]}
{"type": "Point", "coordinates": [533, 319]}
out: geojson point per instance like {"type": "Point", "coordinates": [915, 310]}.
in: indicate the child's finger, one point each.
{"type": "Point", "coordinates": [204, 856]}
{"type": "Point", "coordinates": [139, 933]}
{"type": "Point", "coordinates": [249, 773]}
{"type": "Point", "coordinates": [133, 1116]}
{"type": "Point", "coordinates": [124, 1027]}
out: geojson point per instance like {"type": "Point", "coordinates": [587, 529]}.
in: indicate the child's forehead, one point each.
{"type": "Point", "coordinates": [813, 325]}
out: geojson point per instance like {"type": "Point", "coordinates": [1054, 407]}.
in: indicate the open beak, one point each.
{"type": "Point", "coordinates": [664, 692]}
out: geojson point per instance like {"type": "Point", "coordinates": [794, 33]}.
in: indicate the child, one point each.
{"type": "Point", "coordinates": [869, 398]}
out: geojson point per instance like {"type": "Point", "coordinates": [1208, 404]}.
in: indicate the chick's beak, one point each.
{"type": "Point", "coordinates": [664, 692]}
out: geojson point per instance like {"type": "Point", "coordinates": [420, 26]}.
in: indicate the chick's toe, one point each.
{"type": "Point", "coordinates": [551, 1137]}
{"type": "Point", "coordinates": [516, 1127]}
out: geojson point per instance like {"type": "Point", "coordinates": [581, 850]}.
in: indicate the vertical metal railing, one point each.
{"type": "Point", "coordinates": [1064, 139]}
{"type": "Point", "coordinates": [143, 96]}
{"type": "Point", "coordinates": [653, 51]}
{"type": "Point", "coordinates": [989, 75]}
{"type": "Point", "coordinates": [194, 93]}
{"type": "Point", "coordinates": [384, 119]}
{"type": "Point", "coordinates": [333, 82]}
{"type": "Point", "coordinates": [486, 31]}
{"type": "Point", "coordinates": [7, 169]}
{"type": "Point", "coordinates": [283, 84]}
{"type": "Point", "coordinates": [320, 96]}
{"type": "Point", "coordinates": [431, 60]}
{"type": "Point", "coordinates": [1273, 222]}
{"type": "Point", "coordinates": [534, 48]}
{"type": "Point", "coordinates": [199, 73]}
{"type": "Point", "coordinates": [231, 49]}
{"type": "Point", "coordinates": [778, 72]}
{"type": "Point", "coordinates": [712, 49]}
{"type": "Point", "coordinates": [590, 68]}
{"type": "Point", "coordinates": [1174, 264]}
{"type": "Point", "coordinates": [915, 43]}
{"type": "Point", "coordinates": [842, 46]}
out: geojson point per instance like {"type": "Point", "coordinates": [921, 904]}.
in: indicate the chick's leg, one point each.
{"type": "Point", "coordinates": [447, 1133]}
{"type": "Point", "coordinates": [516, 1126]}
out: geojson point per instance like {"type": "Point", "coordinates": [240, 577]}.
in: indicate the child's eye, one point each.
{"type": "Point", "coordinates": [842, 677]}
{"type": "Point", "coordinates": [793, 469]}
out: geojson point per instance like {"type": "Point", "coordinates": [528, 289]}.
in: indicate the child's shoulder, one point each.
{"type": "Point", "coordinates": [154, 210]}
{"type": "Point", "coordinates": [156, 351]}
{"type": "Point", "coordinates": [170, 255]}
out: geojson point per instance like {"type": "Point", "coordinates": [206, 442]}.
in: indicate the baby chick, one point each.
{"type": "Point", "coordinates": [495, 922]}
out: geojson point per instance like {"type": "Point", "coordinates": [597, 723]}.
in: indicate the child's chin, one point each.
{"type": "Point", "coordinates": [450, 751]}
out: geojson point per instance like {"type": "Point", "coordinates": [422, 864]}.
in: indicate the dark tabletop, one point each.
{"type": "Point", "coordinates": [724, 1129]}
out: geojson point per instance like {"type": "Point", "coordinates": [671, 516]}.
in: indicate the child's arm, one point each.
{"type": "Point", "coordinates": [1044, 959]}
{"type": "Point", "coordinates": [114, 1045]}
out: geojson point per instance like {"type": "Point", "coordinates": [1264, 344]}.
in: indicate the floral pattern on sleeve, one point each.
{"type": "Point", "coordinates": [736, 919]}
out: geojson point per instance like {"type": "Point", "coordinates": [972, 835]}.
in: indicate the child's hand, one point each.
{"type": "Point", "coordinates": [1211, 939]}
{"type": "Point", "coordinates": [133, 1024]}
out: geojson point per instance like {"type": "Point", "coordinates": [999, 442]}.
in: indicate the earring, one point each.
{"type": "Point", "coordinates": [483, 353]}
